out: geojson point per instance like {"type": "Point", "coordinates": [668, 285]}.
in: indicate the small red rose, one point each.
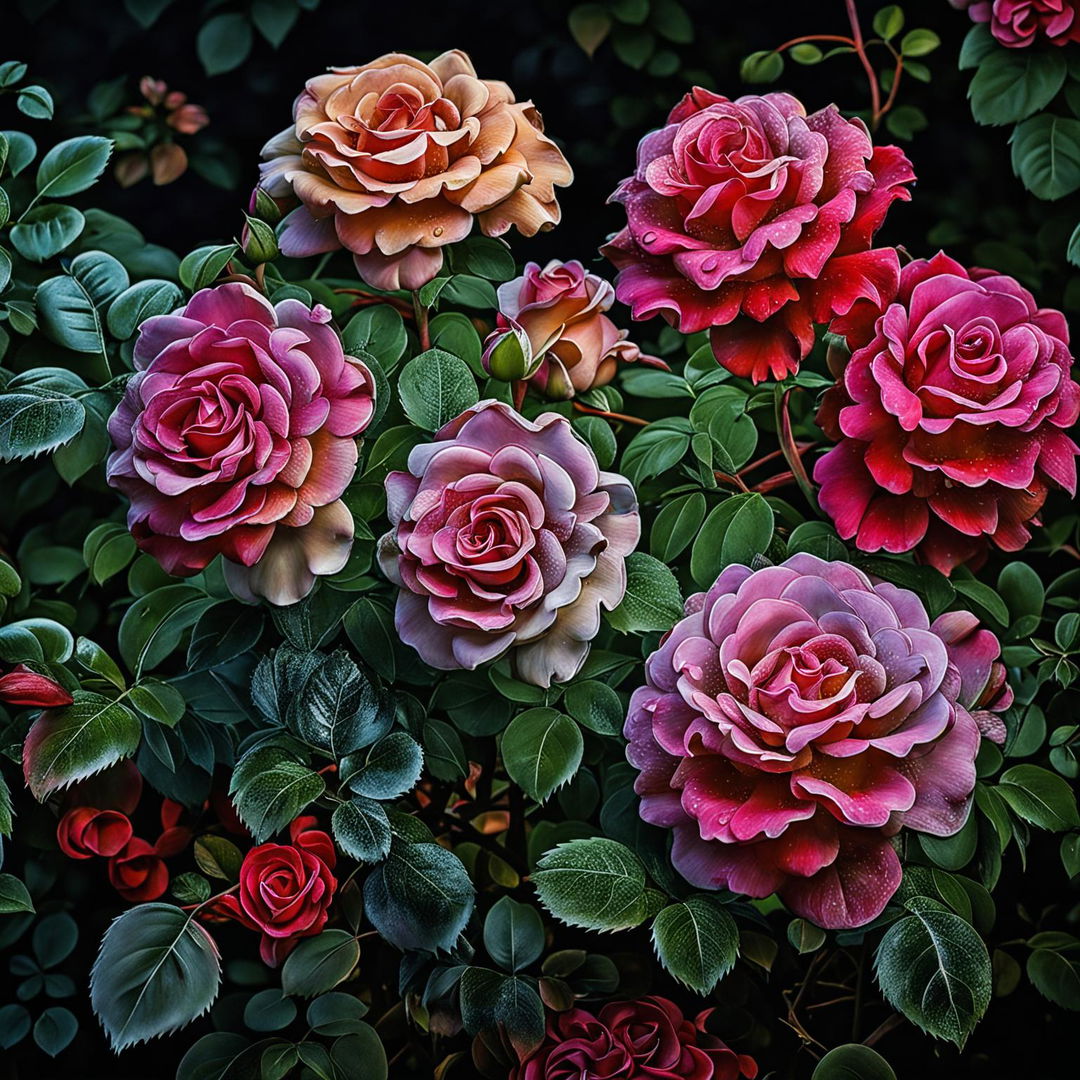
{"type": "Point", "coordinates": [85, 832]}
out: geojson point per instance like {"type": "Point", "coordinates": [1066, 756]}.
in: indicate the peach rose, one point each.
{"type": "Point", "coordinates": [393, 159]}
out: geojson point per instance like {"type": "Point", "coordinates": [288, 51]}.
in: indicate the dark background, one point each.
{"type": "Point", "coordinates": [966, 198]}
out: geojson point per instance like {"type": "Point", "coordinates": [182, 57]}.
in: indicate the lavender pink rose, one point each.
{"type": "Point", "coordinates": [237, 437]}
{"type": "Point", "coordinates": [756, 220]}
{"type": "Point", "coordinates": [796, 719]}
{"type": "Point", "coordinates": [506, 538]}
{"type": "Point", "coordinates": [950, 416]}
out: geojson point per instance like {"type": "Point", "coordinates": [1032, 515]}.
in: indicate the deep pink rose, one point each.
{"type": "Point", "coordinates": [796, 719]}
{"type": "Point", "coordinates": [507, 536]}
{"type": "Point", "coordinates": [950, 416]}
{"type": "Point", "coordinates": [755, 219]}
{"type": "Point", "coordinates": [564, 341]}
{"type": "Point", "coordinates": [236, 437]}
{"type": "Point", "coordinates": [1018, 23]}
{"type": "Point", "coordinates": [633, 1040]}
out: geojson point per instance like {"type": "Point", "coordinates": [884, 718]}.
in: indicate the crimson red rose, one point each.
{"type": "Point", "coordinates": [85, 832]}
{"type": "Point", "coordinates": [138, 872]}
{"type": "Point", "coordinates": [285, 890]}
{"type": "Point", "coordinates": [21, 686]}
{"type": "Point", "coordinates": [633, 1040]}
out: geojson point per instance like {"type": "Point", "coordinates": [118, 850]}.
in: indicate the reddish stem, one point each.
{"type": "Point", "coordinates": [421, 313]}
{"type": "Point", "coordinates": [611, 415]}
{"type": "Point", "coordinates": [860, 49]}
{"type": "Point", "coordinates": [815, 37]}
{"type": "Point", "coordinates": [897, 72]}
{"type": "Point", "coordinates": [734, 481]}
{"type": "Point", "coordinates": [791, 452]}
{"type": "Point", "coordinates": [520, 387]}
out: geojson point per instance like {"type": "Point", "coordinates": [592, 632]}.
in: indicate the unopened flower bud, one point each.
{"type": "Point", "coordinates": [259, 242]}
{"type": "Point", "coordinates": [509, 357]}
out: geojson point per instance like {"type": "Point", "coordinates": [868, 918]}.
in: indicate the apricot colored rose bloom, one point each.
{"type": "Point", "coordinates": [237, 437]}
{"type": "Point", "coordinates": [751, 218]}
{"type": "Point", "coordinates": [796, 719]}
{"type": "Point", "coordinates": [1017, 24]}
{"type": "Point", "coordinates": [560, 311]}
{"type": "Point", "coordinates": [394, 159]}
{"type": "Point", "coordinates": [951, 416]}
{"type": "Point", "coordinates": [648, 1039]}
{"type": "Point", "coordinates": [507, 537]}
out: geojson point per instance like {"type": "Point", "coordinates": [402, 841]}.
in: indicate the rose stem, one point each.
{"type": "Point", "coordinates": [610, 415]}
{"type": "Point", "coordinates": [860, 48]}
{"type": "Point", "coordinates": [421, 321]}
{"type": "Point", "coordinates": [787, 445]}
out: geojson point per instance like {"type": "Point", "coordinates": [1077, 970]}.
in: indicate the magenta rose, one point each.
{"type": "Point", "coordinates": [950, 416]}
{"type": "Point", "coordinates": [1018, 23]}
{"type": "Point", "coordinates": [564, 342]}
{"type": "Point", "coordinates": [756, 220]}
{"type": "Point", "coordinates": [796, 719]}
{"type": "Point", "coordinates": [237, 437]}
{"type": "Point", "coordinates": [507, 537]}
{"type": "Point", "coordinates": [633, 1040]}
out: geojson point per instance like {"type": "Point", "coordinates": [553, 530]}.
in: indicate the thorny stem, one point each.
{"type": "Point", "coordinates": [422, 330]}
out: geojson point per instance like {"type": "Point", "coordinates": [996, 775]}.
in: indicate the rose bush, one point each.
{"type": "Point", "coordinates": [236, 437]}
{"type": "Point", "coordinates": [1017, 24]}
{"type": "Point", "coordinates": [951, 416]}
{"type": "Point", "coordinates": [506, 537]}
{"type": "Point", "coordinates": [756, 220]}
{"type": "Point", "coordinates": [395, 158]}
{"type": "Point", "coordinates": [796, 719]}
{"type": "Point", "coordinates": [553, 319]}
{"type": "Point", "coordinates": [628, 1040]}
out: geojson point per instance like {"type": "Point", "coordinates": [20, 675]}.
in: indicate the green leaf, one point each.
{"type": "Point", "coordinates": [595, 705]}
{"type": "Point", "coordinates": [435, 387]}
{"type": "Point", "coordinates": [72, 166]}
{"type": "Point", "coordinates": [361, 829]}
{"type": "Point", "coordinates": [853, 1061]}
{"type": "Point", "coordinates": [319, 963]}
{"type": "Point", "coordinates": [270, 797]}
{"type": "Point", "coordinates": [697, 941]}
{"type": "Point", "coordinates": [223, 43]}
{"type": "Point", "coordinates": [492, 1001]}
{"type": "Point", "coordinates": [420, 898]}
{"type": "Point", "coordinates": [1011, 84]}
{"type": "Point", "coordinates": [934, 968]}
{"type": "Point", "coordinates": [804, 936]}
{"type": "Point", "coordinates": [1056, 977]}
{"type": "Point", "coordinates": [159, 701]}
{"type": "Point", "coordinates": [919, 43]}
{"type": "Point", "coordinates": [378, 331]}
{"type": "Point", "coordinates": [1046, 155]}
{"type": "Point", "coordinates": [12, 72]}
{"type": "Point", "coordinates": [36, 420]}
{"type": "Point", "coordinates": [444, 753]}
{"type": "Point", "coordinates": [652, 600]}
{"type": "Point", "coordinates": [218, 857]}
{"type": "Point", "coordinates": [590, 24]}
{"type": "Point", "coordinates": [269, 1010]}
{"type": "Point", "coordinates": [14, 897]}
{"type": "Point", "coordinates": [46, 231]}
{"type": "Point", "coordinates": [73, 307]}
{"type": "Point", "coordinates": [513, 934]}
{"type": "Point", "coordinates": [336, 1013]}
{"type": "Point", "coordinates": [274, 19]}
{"type": "Point", "coordinates": [154, 625]}
{"type": "Point", "coordinates": [1040, 797]}
{"type": "Point", "coordinates": [889, 21]}
{"type": "Point", "coordinates": [138, 303]}
{"type": "Point", "coordinates": [541, 750]}
{"type": "Point", "coordinates": [978, 44]}
{"type": "Point", "coordinates": [157, 970]}
{"type": "Point", "coordinates": [734, 532]}
{"type": "Point", "coordinates": [202, 267]}
{"type": "Point", "coordinates": [337, 708]}
{"type": "Point", "coordinates": [37, 103]}
{"type": "Point", "coordinates": [55, 1027]}
{"type": "Point", "coordinates": [78, 740]}
{"type": "Point", "coordinates": [594, 883]}
{"type": "Point", "coordinates": [761, 67]}
{"type": "Point", "coordinates": [21, 150]}
{"type": "Point", "coordinates": [387, 770]}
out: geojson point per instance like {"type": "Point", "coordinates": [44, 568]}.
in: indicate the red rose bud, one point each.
{"type": "Point", "coordinates": [21, 686]}
{"type": "Point", "coordinates": [138, 873]}
{"type": "Point", "coordinates": [85, 832]}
